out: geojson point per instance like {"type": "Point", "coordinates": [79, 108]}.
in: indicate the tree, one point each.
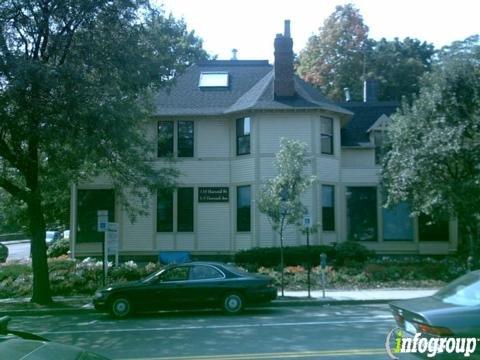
{"type": "Point", "coordinates": [342, 56]}
{"type": "Point", "coordinates": [434, 144]}
{"type": "Point", "coordinates": [76, 85]}
{"type": "Point", "coordinates": [398, 66]}
{"type": "Point", "coordinates": [334, 59]}
{"type": "Point", "coordinates": [280, 198]}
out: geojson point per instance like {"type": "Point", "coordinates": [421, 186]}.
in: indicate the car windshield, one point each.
{"type": "Point", "coordinates": [50, 234]}
{"type": "Point", "coordinates": [152, 276]}
{"type": "Point", "coordinates": [464, 291]}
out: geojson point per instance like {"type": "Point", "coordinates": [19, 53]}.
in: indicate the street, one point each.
{"type": "Point", "coordinates": [313, 332]}
{"type": "Point", "coordinates": [18, 250]}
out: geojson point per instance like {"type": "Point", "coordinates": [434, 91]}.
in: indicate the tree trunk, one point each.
{"type": "Point", "coordinates": [41, 282]}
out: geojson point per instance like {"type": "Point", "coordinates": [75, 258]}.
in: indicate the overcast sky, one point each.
{"type": "Point", "coordinates": [250, 25]}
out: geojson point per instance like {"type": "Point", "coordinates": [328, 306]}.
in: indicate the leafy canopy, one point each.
{"type": "Point", "coordinates": [342, 55]}
{"type": "Point", "coordinates": [77, 79]}
{"type": "Point", "coordinates": [434, 144]}
{"type": "Point", "coordinates": [290, 183]}
{"type": "Point", "coordinates": [333, 59]}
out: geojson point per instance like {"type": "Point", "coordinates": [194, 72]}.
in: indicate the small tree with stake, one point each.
{"type": "Point", "coordinates": [280, 197]}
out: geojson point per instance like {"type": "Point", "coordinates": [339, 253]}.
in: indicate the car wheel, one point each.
{"type": "Point", "coordinates": [232, 303]}
{"type": "Point", "coordinates": [120, 307]}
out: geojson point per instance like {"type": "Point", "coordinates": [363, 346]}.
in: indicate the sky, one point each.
{"type": "Point", "coordinates": [250, 25]}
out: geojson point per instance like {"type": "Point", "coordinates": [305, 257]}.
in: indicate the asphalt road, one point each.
{"type": "Point", "coordinates": [323, 332]}
{"type": "Point", "coordinates": [18, 250]}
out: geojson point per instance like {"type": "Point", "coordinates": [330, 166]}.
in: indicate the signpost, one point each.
{"type": "Point", "coordinates": [102, 226]}
{"type": "Point", "coordinates": [112, 240]}
{"type": "Point", "coordinates": [307, 223]}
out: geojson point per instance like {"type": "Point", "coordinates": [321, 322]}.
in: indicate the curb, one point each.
{"type": "Point", "coordinates": [274, 304]}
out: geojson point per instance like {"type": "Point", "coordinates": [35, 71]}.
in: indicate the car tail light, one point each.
{"type": "Point", "coordinates": [433, 330]}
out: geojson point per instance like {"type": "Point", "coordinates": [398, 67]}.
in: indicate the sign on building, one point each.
{"type": "Point", "coordinates": [213, 194]}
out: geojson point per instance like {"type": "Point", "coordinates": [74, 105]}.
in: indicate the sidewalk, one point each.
{"type": "Point", "coordinates": [76, 304]}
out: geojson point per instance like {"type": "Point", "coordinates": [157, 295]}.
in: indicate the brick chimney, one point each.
{"type": "Point", "coordinates": [283, 85]}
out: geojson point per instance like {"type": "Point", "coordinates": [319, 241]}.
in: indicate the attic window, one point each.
{"type": "Point", "coordinates": [213, 79]}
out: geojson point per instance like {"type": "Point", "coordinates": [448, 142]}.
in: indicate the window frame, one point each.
{"type": "Point", "coordinates": [240, 227]}
{"type": "Point", "coordinates": [164, 193]}
{"type": "Point", "coordinates": [325, 216]}
{"type": "Point", "coordinates": [324, 135]}
{"type": "Point", "coordinates": [243, 136]}
{"type": "Point", "coordinates": [188, 137]}
{"type": "Point", "coordinates": [170, 140]}
{"type": "Point", "coordinates": [190, 211]}
{"type": "Point", "coordinates": [375, 235]}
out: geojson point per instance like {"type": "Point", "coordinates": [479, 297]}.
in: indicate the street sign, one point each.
{"type": "Point", "coordinates": [102, 220]}
{"type": "Point", "coordinates": [307, 221]}
{"type": "Point", "coordinates": [112, 238]}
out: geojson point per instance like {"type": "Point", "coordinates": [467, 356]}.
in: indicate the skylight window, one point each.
{"type": "Point", "coordinates": [213, 79]}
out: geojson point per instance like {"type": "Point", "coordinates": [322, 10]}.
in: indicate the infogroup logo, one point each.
{"type": "Point", "coordinates": [398, 342]}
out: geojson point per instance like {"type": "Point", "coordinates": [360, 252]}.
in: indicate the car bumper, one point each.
{"type": "Point", "coordinates": [263, 296]}
{"type": "Point", "coordinates": [100, 304]}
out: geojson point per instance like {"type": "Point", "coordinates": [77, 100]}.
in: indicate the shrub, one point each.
{"type": "Point", "coordinates": [254, 258]}
{"type": "Point", "coordinates": [59, 248]}
{"type": "Point", "coordinates": [349, 252]}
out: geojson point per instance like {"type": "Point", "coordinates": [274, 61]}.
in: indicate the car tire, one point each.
{"type": "Point", "coordinates": [232, 303]}
{"type": "Point", "coordinates": [120, 307]}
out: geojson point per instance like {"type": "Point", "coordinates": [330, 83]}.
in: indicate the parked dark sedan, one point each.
{"type": "Point", "coordinates": [189, 285]}
{"type": "Point", "coordinates": [453, 311]}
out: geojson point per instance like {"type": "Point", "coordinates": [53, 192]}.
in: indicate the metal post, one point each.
{"type": "Point", "coordinates": [323, 265]}
{"type": "Point", "coordinates": [105, 258]}
{"type": "Point", "coordinates": [309, 264]}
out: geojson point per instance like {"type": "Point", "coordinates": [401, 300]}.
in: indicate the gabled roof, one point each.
{"type": "Point", "coordinates": [250, 88]}
{"type": "Point", "coordinates": [366, 114]}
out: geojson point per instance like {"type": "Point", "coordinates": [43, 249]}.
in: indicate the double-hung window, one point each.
{"type": "Point", "coordinates": [243, 136]}
{"type": "Point", "coordinates": [328, 208]}
{"type": "Point", "coordinates": [185, 209]}
{"type": "Point", "coordinates": [184, 135]}
{"type": "Point", "coordinates": [326, 138]}
{"type": "Point", "coordinates": [243, 208]}
{"type": "Point", "coordinates": [164, 210]}
{"type": "Point", "coordinates": [185, 139]}
{"type": "Point", "coordinates": [165, 139]}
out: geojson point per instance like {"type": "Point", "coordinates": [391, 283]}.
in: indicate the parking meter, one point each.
{"type": "Point", "coordinates": [323, 261]}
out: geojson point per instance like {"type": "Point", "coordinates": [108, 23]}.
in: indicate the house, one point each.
{"type": "Point", "coordinates": [223, 121]}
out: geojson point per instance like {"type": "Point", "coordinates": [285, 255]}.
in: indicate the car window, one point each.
{"type": "Point", "coordinates": [179, 273]}
{"type": "Point", "coordinates": [203, 272]}
{"type": "Point", "coordinates": [464, 291]}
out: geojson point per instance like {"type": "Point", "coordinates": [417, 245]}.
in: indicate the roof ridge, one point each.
{"type": "Point", "coordinates": [255, 92]}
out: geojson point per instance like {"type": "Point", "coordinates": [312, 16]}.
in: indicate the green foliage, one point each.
{"type": "Point", "coordinates": [333, 59]}
{"type": "Point", "coordinates": [76, 91]}
{"type": "Point", "coordinates": [290, 183]}
{"type": "Point", "coordinates": [398, 66]}
{"type": "Point", "coordinates": [59, 248]}
{"type": "Point", "coordinates": [434, 143]}
{"type": "Point", "coordinates": [351, 252]}
{"type": "Point", "coordinates": [294, 255]}
{"type": "Point", "coordinates": [342, 56]}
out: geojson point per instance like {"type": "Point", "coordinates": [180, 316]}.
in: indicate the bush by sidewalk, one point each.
{"type": "Point", "coordinates": [70, 277]}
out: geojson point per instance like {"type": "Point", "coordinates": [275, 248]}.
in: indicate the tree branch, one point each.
{"type": "Point", "coordinates": [14, 190]}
